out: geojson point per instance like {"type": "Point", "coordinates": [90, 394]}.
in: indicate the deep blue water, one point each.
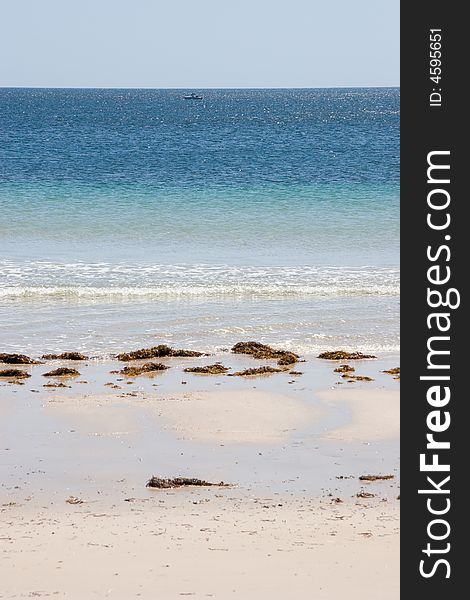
{"type": "Point", "coordinates": [257, 212]}
{"type": "Point", "coordinates": [231, 139]}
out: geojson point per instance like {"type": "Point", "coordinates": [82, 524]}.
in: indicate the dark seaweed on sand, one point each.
{"type": "Point", "coordinates": [160, 351]}
{"type": "Point", "coordinates": [365, 495]}
{"type": "Point", "coordinates": [263, 352]}
{"type": "Point", "coordinates": [56, 385]}
{"type": "Point", "coordinates": [65, 356]}
{"type": "Point", "coordinates": [215, 369]}
{"type": "Point", "coordinates": [17, 359]}
{"type": "Point", "coordinates": [357, 377]}
{"type": "Point", "coordinates": [158, 482]}
{"type": "Point", "coordinates": [150, 367]}
{"type": "Point", "coordinates": [259, 371]}
{"type": "Point", "coordinates": [394, 371]}
{"type": "Point", "coordinates": [343, 355]}
{"type": "Point", "coordinates": [17, 373]}
{"type": "Point", "coordinates": [344, 369]}
{"type": "Point", "coordinates": [62, 372]}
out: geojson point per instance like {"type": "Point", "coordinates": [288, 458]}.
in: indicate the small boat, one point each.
{"type": "Point", "coordinates": [192, 96]}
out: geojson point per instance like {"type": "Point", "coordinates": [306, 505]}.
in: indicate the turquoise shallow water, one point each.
{"type": "Point", "coordinates": [132, 216]}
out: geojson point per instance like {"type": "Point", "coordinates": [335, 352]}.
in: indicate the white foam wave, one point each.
{"type": "Point", "coordinates": [210, 291]}
{"type": "Point", "coordinates": [109, 282]}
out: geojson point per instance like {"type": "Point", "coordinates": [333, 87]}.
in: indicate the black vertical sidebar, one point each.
{"type": "Point", "coordinates": [434, 233]}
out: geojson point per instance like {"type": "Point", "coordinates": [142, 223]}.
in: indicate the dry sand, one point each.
{"type": "Point", "coordinates": [203, 545]}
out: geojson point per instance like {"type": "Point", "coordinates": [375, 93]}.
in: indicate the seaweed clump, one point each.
{"type": "Point", "coordinates": [16, 373]}
{"type": "Point", "coordinates": [177, 482]}
{"type": "Point", "coordinates": [357, 377]}
{"type": "Point", "coordinates": [258, 371]}
{"type": "Point", "coordinates": [74, 500]}
{"type": "Point", "coordinates": [215, 369]}
{"type": "Point", "coordinates": [395, 372]}
{"type": "Point", "coordinates": [62, 372]}
{"type": "Point", "coordinates": [56, 385]}
{"type": "Point", "coordinates": [344, 369]}
{"type": "Point", "coordinates": [363, 494]}
{"type": "Point", "coordinates": [343, 355]}
{"type": "Point", "coordinates": [376, 477]}
{"type": "Point", "coordinates": [150, 367]}
{"type": "Point", "coordinates": [17, 359]}
{"type": "Point", "coordinates": [65, 356]}
{"type": "Point", "coordinates": [160, 351]}
{"type": "Point", "coordinates": [262, 351]}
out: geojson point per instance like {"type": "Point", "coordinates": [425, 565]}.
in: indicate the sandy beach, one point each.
{"type": "Point", "coordinates": [191, 543]}
{"type": "Point", "coordinates": [296, 521]}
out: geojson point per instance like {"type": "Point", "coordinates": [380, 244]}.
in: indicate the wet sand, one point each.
{"type": "Point", "coordinates": [293, 447]}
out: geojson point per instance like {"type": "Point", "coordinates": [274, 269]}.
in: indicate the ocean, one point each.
{"type": "Point", "coordinates": [135, 217]}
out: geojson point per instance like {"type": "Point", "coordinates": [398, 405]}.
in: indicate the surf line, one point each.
{"type": "Point", "coordinates": [441, 300]}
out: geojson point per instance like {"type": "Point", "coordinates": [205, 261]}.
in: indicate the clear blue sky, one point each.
{"type": "Point", "coordinates": [199, 43]}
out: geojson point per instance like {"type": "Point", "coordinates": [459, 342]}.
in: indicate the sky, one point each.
{"type": "Point", "coordinates": [199, 43]}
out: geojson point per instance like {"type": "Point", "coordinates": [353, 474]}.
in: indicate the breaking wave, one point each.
{"type": "Point", "coordinates": [107, 282]}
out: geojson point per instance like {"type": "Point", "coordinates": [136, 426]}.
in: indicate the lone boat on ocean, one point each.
{"type": "Point", "coordinates": [192, 96]}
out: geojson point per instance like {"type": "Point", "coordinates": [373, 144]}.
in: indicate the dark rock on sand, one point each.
{"type": "Point", "coordinates": [344, 369]}
{"type": "Point", "coordinates": [259, 371]}
{"type": "Point", "coordinates": [16, 373]}
{"type": "Point", "coordinates": [62, 372]}
{"type": "Point", "coordinates": [215, 369]}
{"type": "Point", "coordinates": [160, 351]}
{"type": "Point", "coordinates": [295, 373]}
{"type": "Point", "coordinates": [376, 477]}
{"type": "Point", "coordinates": [343, 355]}
{"type": "Point", "coordinates": [65, 356]}
{"type": "Point", "coordinates": [157, 482]}
{"type": "Point", "coordinates": [262, 351]}
{"type": "Point", "coordinates": [17, 359]}
{"type": "Point", "coordinates": [146, 368]}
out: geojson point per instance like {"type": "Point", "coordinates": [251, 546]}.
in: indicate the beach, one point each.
{"type": "Point", "coordinates": [291, 449]}
{"type": "Point", "coordinates": [192, 545]}
{"type": "Point", "coordinates": [135, 219]}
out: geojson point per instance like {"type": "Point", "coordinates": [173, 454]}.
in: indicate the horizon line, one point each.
{"type": "Point", "coordinates": [321, 87]}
